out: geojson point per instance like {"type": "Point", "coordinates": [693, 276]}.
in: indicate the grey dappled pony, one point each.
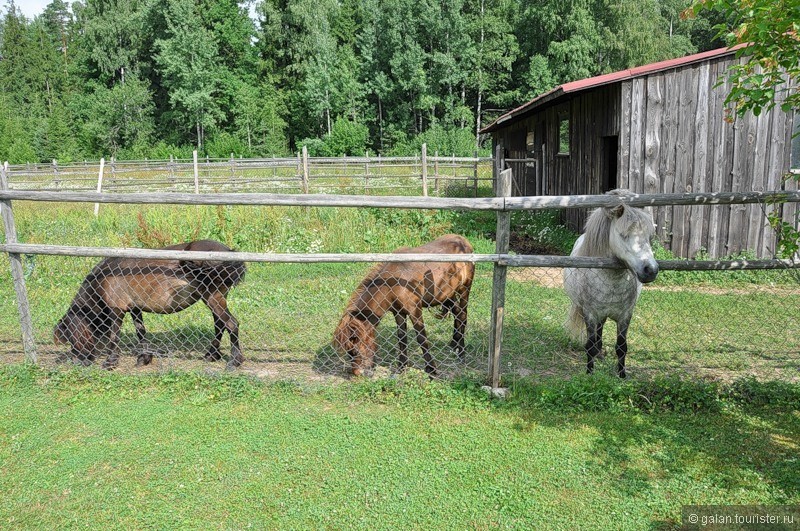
{"type": "Point", "coordinates": [622, 232]}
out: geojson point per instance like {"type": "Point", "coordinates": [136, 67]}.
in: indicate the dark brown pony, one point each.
{"type": "Point", "coordinates": [117, 286]}
{"type": "Point", "coordinates": [404, 289]}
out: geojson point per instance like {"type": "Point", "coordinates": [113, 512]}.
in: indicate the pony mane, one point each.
{"type": "Point", "coordinates": [369, 278]}
{"type": "Point", "coordinates": [598, 226]}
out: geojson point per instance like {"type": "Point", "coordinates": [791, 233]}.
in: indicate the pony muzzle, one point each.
{"type": "Point", "coordinates": [647, 272]}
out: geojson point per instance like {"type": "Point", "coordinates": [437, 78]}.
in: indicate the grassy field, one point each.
{"type": "Point", "coordinates": [179, 450]}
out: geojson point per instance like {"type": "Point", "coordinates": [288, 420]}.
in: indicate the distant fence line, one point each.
{"type": "Point", "coordinates": [502, 258]}
{"type": "Point", "coordinates": [422, 174]}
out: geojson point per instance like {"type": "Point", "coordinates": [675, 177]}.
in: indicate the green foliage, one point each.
{"type": "Point", "coordinates": [544, 228]}
{"type": "Point", "coordinates": [346, 138]}
{"type": "Point", "coordinates": [604, 392]}
{"type": "Point", "coordinates": [224, 144]}
{"type": "Point", "coordinates": [787, 234]}
{"type": "Point", "coordinates": [767, 32]}
{"type": "Point", "coordinates": [112, 77]}
{"type": "Point", "coordinates": [188, 60]}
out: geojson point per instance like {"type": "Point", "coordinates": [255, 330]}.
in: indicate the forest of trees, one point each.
{"type": "Point", "coordinates": [150, 78]}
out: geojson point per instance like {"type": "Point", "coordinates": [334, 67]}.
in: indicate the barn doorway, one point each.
{"type": "Point", "coordinates": [608, 179]}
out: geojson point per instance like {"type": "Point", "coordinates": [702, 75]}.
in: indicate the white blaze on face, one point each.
{"type": "Point", "coordinates": [632, 248]}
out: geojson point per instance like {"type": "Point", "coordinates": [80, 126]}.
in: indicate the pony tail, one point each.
{"type": "Point", "coordinates": [227, 274]}
{"type": "Point", "coordinates": [575, 323]}
{"type": "Point", "coordinates": [231, 273]}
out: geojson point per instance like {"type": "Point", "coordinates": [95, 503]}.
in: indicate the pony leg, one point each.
{"type": "Point", "coordinates": [144, 357]}
{"type": "Point", "coordinates": [402, 341]}
{"type": "Point", "coordinates": [422, 339]}
{"type": "Point", "coordinates": [113, 341]}
{"type": "Point", "coordinates": [214, 353]}
{"type": "Point", "coordinates": [622, 347]}
{"type": "Point", "coordinates": [219, 308]}
{"type": "Point", "coordinates": [138, 323]}
{"type": "Point", "coordinates": [594, 344]}
{"type": "Point", "coordinates": [459, 327]}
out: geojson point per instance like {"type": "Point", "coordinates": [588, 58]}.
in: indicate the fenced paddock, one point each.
{"type": "Point", "coordinates": [710, 319]}
{"type": "Point", "coordinates": [368, 175]}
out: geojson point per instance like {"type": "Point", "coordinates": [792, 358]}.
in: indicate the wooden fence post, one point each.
{"type": "Point", "coordinates": [305, 170]}
{"type": "Point", "coordinates": [424, 170]}
{"type": "Point", "coordinates": [366, 173]}
{"type": "Point", "coordinates": [499, 280]}
{"type": "Point", "coordinates": [113, 171]}
{"type": "Point", "coordinates": [196, 173]}
{"type": "Point", "coordinates": [436, 172]}
{"type": "Point", "coordinates": [55, 174]}
{"type": "Point", "coordinates": [499, 165]}
{"type": "Point", "coordinates": [171, 168]}
{"type": "Point", "coordinates": [99, 184]}
{"type": "Point", "coordinates": [475, 176]}
{"type": "Point", "coordinates": [17, 274]}
{"type": "Point", "coordinates": [455, 170]}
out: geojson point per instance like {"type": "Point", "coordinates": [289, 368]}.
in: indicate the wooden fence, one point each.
{"type": "Point", "coordinates": [501, 259]}
{"type": "Point", "coordinates": [369, 175]}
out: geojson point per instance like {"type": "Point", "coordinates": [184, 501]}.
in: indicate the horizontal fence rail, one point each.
{"type": "Point", "coordinates": [433, 203]}
{"type": "Point", "coordinates": [511, 260]}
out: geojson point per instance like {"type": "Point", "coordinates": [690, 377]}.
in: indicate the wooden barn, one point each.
{"type": "Point", "coordinates": [658, 128]}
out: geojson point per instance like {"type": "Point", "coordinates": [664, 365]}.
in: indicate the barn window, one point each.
{"type": "Point", "coordinates": [563, 133]}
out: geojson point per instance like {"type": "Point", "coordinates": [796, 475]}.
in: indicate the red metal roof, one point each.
{"type": "Point", "coordinates": [605, 79]}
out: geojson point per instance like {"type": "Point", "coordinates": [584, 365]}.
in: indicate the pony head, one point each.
{"type": "Point", "coordinates": [356, 338]}
{"type": "Point", "coordinates": [629, 240]}
{"type": "Point", "coordinates": [74, 329]}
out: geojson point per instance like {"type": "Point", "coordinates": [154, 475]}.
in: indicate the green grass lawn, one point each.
{"type": "Point", "coordinates": [87, 449]}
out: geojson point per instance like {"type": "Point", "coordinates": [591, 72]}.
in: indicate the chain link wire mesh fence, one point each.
{"type": "Point", "coordinates": [710, 324]}
{"type": "Point", "coordinates": [719, 324]}
{"type": "Point", "coordinates": [286, 313]}
{"type": "Point", "coordinates": [714, 324]}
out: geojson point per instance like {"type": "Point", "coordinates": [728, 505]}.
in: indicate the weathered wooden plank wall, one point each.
{"type": "Point", "coordinates": [593, 115]}
{"type": "Point", "coordinates": [674, 136]}
{"type": "Point", "coordinates": [679, 118]}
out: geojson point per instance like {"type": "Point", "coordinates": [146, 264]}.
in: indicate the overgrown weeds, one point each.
{"type": "Point", "coordinates": [413, 389]}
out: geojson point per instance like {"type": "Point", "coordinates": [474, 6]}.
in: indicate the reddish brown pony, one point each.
{"type": "Point", "coordinates": [404, 289]}
{"type": "Point", "coordinates": [117, 286]}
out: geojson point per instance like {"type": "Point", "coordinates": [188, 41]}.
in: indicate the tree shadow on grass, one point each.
{"type": "Point", "coordinates": [745, 454]}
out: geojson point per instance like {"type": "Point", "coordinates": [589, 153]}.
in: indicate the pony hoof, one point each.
{"type": "Point", "coordinates": [144, 359]}
{"type": "Point", "coordinates": [233, 364]}
{"type": "Point", "coordinates": [213, 355]}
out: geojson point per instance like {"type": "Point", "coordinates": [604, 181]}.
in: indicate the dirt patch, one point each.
{"type": "Point", "coordinates": [716, 290]}
{"type": "Point", "coordinates": [547, 277]}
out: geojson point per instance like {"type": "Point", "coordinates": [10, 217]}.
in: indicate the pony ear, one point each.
{"type": "Point", "coordinates": [617, 211]}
